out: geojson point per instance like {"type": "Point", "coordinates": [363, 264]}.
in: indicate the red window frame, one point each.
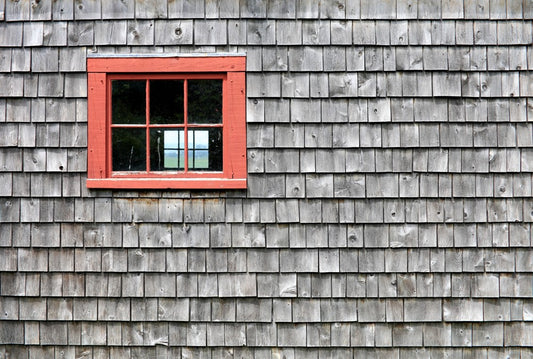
{"type": "Point", "coordinates": [230, 69]}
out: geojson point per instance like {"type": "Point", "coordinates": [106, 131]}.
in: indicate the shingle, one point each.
{"type": "Point", "coordinates": [115, 32]}
{"type": "Point", "coordinates": [485, 33]}
{"type": "Point", "coordinates": [364, 33]}
{"type": "Point", "coordinates": [118, 10]}
{"type": "Point", "coordinates": [288, 32]}
{"type": "Point", "coordinates": [160, 285]}
{"type": "Point", "coordinates": [429, 10]}
{"type": "Point", "coordinates": [264, 85]}
{"type": "Point", "coordinates": [488, 334]}
{"type": "Point", "coordinates": [186, 9]}
{"type": "Point", "coordinates": [237, 285]}
{"type": "Point", "coordinates": [510, 84]}
{"type": "Point", "coordinates": [420, 33]}
{"type": "Point", "coordinates": [13, 85]}
{"type": "Point", "coordinates": [328, 261]}
{"type": "Point", "coordinates": [513, 32]}
{"type": "Point", "coordinates": [315, 33]}
{"type": "Point", "coordinates": [193, 211]}
{"type": "Point", "coordinates": [328, 161]}
{"type": "Point", "coordinates": [341, 32]}
{"type": "Point", "coordinates": [479, 10]}
{"type": "Point", "coordinates": [151, 9]}
{"type": "Point", "coordinates": [81, 33]}
{"type": "Point", "coordinates": [140, 32]}
{"type": "Point", "coordinates": [305, 59]}
{"type": "Point", "coordinates": [86, 9]}
{"type": "Point", "coordinates": [17, 60]}
{"type": "Point", "coordinates": [15, 11]}
{"type": "Point", "coordinates": [295, 85]}
{"type": "Point", "coordinates": [210, 32]}
{"type": "Point", "coordinates": [51, 85]}
{"type": "Point", "coordinates": [261, 32]}
{"type": "Point", "coordinates": [343, 84]}
{"type": "Point", "coordinates": [237, 32]}
{"type": "Point", "coordinates": [12, 332]}
{"type": "Point", "coordinates": [11, 34]}
{"type": "Point", "coordinates": [33, 34]}
{"type": "Point", "coordinates": [498, 58]}
{"type": "Point", "coordinates": [72, 59]}
{"type": "Point", "coordinates": [291, 335]}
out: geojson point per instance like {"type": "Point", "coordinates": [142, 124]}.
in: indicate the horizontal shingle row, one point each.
{"type": "Point", "coordinates": [510, 288]}
{"type": "Point", "coordinates": [396, 84]}
{"type": "Point", "coordinates": [43, 85]}
{"type": "Point", "coordinates": [244, 352]}
{"type": "Point", "coordinates": [317, 58]}
{"type": "Point", "coordinates": [264, 32]}
{"type": "Point", "coordinates": [309, 210]}
{"type": "Point", "coordinates": [264, 310]}
{"type": "Point", "coordinates": [330, 58]}
{"type": "Point", "coordinates": [395, 233]}
{"type": "Point", "coordinates": [315, 163]}
{"type": "Point", "coordinates": [312, 210]}
{"type": "Point", "coordinates": [349, 85]}
{"type": "Point", "coordinates": [372, 259]}
{"type": "Point", "coordinates": [138, 334]}
{"type": "Point", "coordinates": [484, 137]}
{"type": "Point", "coordinates": [35, 135]}
{"type": "Point", "coordinates": [301, 9]}
{"type": "Point", "coordinates": [390, 185]}
{"type": "Point", "coordinates": [291, 186]}
{"type": "Point", "coordinates": [397, 110]}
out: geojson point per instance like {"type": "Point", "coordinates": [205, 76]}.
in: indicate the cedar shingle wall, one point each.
{"type": "Point", "coordinates": [389, 205]}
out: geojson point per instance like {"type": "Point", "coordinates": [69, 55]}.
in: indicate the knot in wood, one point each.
{"type": "Point", "coordinates": [178, 31]}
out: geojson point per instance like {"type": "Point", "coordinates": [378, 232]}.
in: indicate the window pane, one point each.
{"type": "Point", "coordinates": [204, 101]}
{"type": "Point", "coordinates": [129, 101]}
{"type": "Point", "coordinates": [205, 149]}
{"type": "Point", "coordinates": [129, 149]}
{"type": "Point", "coordinates": [167, 149]}
{"type": "Point", "coordinates": [166, 101]}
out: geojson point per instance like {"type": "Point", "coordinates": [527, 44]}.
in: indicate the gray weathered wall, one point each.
{"type": "Point", "coordinates": [389, 206]}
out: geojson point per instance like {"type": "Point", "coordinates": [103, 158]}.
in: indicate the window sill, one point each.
{"type": "Point", "coordinates": [167, 183]}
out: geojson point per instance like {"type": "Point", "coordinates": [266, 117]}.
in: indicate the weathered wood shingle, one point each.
{"type": "Point", "coordinates": [388, 202]}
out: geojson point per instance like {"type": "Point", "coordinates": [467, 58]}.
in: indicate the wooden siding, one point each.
{"type": "Point", "coordinates": [389, 205]}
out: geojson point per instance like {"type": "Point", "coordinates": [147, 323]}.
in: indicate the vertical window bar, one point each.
{"type": "Point", "coordinates": [147, 125]}
{"type": "Point", "coordinates": [193, 153]}
{"type": "Point", "coordinates": [185, 123]}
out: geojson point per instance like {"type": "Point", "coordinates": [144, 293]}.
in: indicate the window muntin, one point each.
{"type": "Point", "coordinates": [181, 118]}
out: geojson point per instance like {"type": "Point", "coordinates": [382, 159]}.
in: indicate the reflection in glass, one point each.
{"type": "Point", "coordinates": [128, 101]}
{"type": "Point", "coordinates": [204, 101]}
{"type": "Point", "coordinates": [166, 101]}
{"type": "Point", "coordinates": [205, 149]}
{"type": "Point", "coordinates": [167, 149]}
{"type": "Point", "coordinates": [129, 149]}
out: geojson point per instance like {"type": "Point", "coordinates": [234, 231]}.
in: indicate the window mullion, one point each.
{"type": "Point", "coordinates": [147, 125]}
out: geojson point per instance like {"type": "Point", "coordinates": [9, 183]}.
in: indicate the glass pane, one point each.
{"type": "Point", "coordinates": [204, 101]}
{"type": "Point", "coordinates": [166, 101]}
{"type": "Point", "coordinates": [128, 101]}
{"type": "Point", "coordinates": [167, 149]}
{"type": "Point", "coordinates": [129, 149]}
{"type": "Point", "coordinates": [205, 149]}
